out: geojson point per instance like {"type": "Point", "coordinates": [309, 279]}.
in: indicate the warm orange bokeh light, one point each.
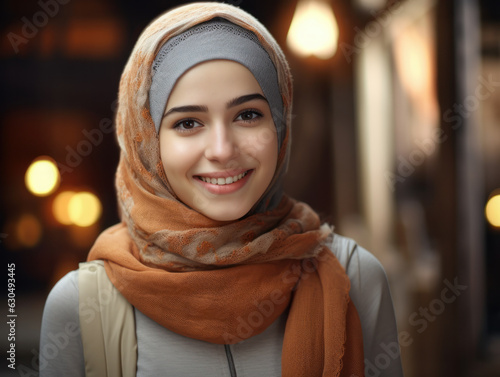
{"type": "Point", "coordinates": [28, 230]}
{"type": "Point", "coordinates": [84, 209]}
{"type": "Point", "coordinates": [60, 207]}
{"type": "Point", "coordinates": [314, 30]}
{"type": "Point", "coordinates": [42, 177]}
{"type": "Point", "coordinates": [492, 210]}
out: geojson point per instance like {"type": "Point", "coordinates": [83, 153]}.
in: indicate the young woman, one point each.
{"type": "Point", "coordinates": [214, 271]}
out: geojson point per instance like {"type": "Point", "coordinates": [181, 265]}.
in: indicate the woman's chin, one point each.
{"type": "Point", "coordinates": [224, 214]}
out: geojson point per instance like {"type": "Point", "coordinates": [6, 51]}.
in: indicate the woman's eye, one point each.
{"type": "Point", "coordinates": [249, 115]}
{"type": "Point", "coordinates": [186, 125]}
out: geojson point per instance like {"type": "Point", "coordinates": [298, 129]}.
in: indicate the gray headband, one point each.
{"type": "Point", "coordinates": [215, 39]}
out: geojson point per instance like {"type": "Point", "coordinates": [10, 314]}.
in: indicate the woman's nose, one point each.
{"type": "Point", "coordinates": [221, 145]}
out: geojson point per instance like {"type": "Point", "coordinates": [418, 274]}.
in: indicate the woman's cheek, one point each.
{"type": "Point", "coordinates": [261, 140]}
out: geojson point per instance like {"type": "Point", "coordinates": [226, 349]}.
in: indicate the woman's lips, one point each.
{"type": "Point", "coordinates": [223, 180]}
{"type": "Point", "coordinates": [226, 184]}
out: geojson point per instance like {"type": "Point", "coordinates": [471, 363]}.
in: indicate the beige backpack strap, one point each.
{"type": "Point", "coordinates": [107, 325]}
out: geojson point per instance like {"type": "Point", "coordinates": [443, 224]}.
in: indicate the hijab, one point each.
{"type": "Point", "coordinates": [224, 281]}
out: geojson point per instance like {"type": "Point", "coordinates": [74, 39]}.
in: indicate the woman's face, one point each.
{"type": "Point", "coordinates": [218, 141]}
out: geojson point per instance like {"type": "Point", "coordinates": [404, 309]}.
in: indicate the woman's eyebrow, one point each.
{"type": "Point", "coordinates": [199, 108]}
{"type": "Point", "coordinates": [187, 109]}
{"type": "Point", "coordinates": [249, 97]}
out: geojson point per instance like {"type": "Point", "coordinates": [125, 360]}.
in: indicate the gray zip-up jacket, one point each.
{"type": "Point", "coordinates": [164, 353]}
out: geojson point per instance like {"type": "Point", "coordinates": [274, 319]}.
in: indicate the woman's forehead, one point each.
{"type": "Point", "coordinates": [223, 79]}
{"type": "Point", "coordinates": [212, 40]}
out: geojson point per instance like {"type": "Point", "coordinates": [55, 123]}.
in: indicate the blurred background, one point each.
{"type": "Point", "coordinates": [396, 141]}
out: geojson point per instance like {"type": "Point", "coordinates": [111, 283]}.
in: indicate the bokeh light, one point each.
{"type": "Point", "coordinates": [42, 177]}
{"type": "Point", "coordinates": [314, 30]}
{"type": "Point", "coordinates": [492, 210]}
{"type": "Point", "coordinates": [60, 207]}
{"type": "Point", "coordinates": [28, 230]}
{"type": "Point", "coordinates": [84, 209]}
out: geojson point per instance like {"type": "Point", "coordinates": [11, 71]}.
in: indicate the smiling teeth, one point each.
{"type": "Point", "coordinates": [223, 181]}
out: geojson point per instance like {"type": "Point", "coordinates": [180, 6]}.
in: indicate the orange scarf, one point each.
{"type": "Point", "coordinates": [223, 282]}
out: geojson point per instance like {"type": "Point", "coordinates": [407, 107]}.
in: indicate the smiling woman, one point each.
{"type": "Point", "coordinates": [213, 270]}
{"type": "Point", "coordinates": [214, 156]}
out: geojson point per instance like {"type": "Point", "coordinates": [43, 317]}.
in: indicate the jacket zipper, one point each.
{"type": "Point", "coordinates": [230, 360]}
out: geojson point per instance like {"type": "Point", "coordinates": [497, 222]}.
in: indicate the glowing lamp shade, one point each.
{"type": "Point", "coordinates": [314, 30]}
{"type": "Point", "coordinates": [84, 209]}
{"type": "Point", "coordinates": [492, 210]}
{"type": "Point", "coordinates": [42, 177]}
